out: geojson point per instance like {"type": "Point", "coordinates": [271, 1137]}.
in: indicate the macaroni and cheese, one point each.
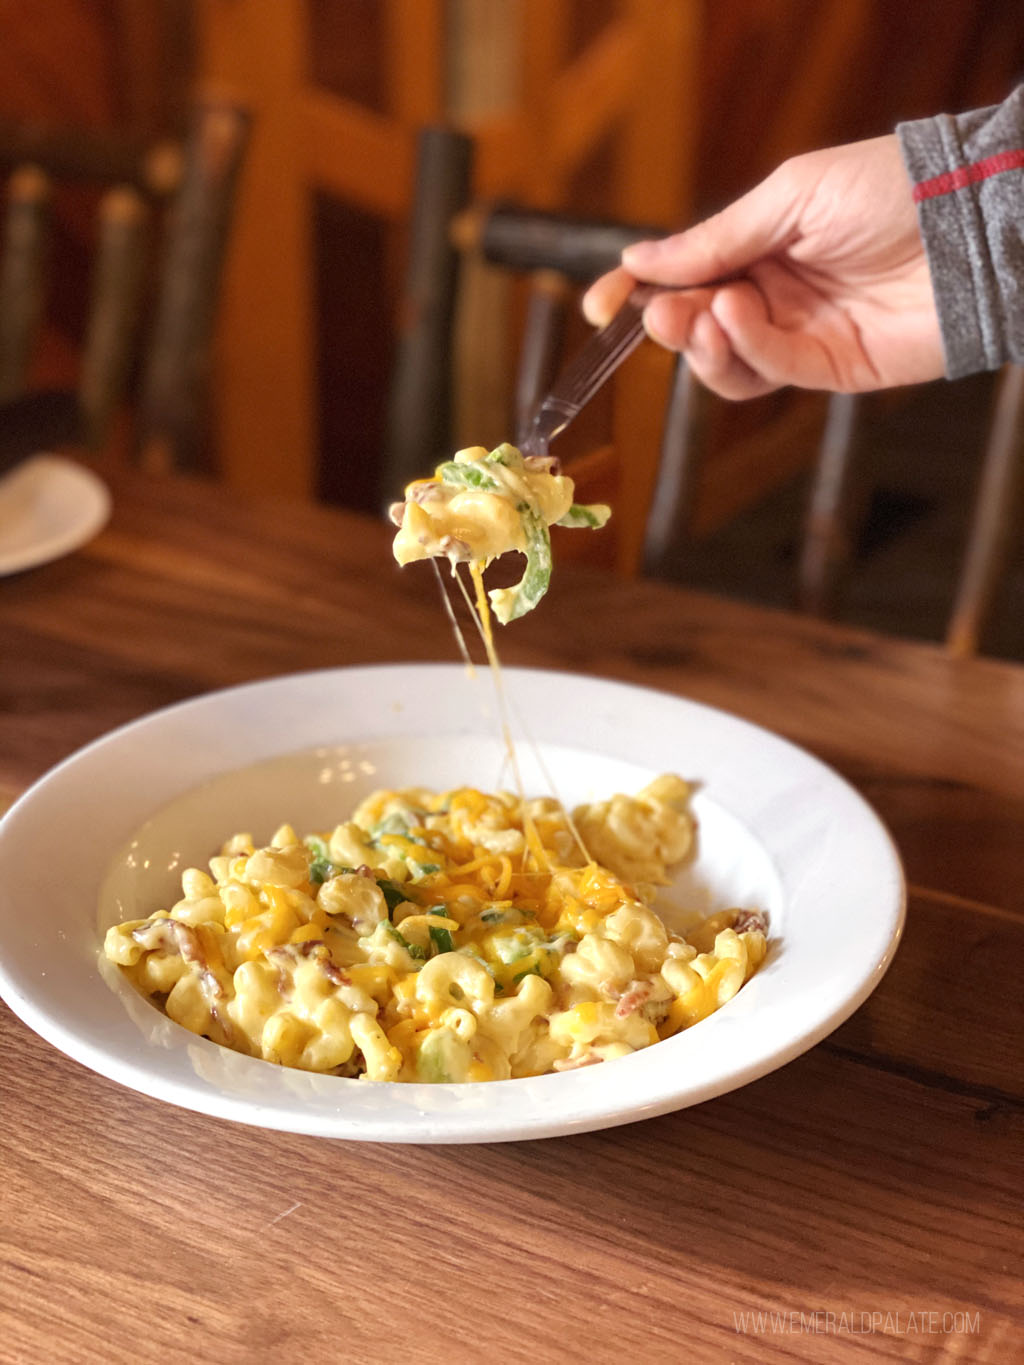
{"type": "Point", "coordinates": [482, 504]}
{"type": "Point", "coordinates": [444, 936]}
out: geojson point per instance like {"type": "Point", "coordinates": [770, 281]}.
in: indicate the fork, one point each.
{"type": "Point", "coordinates": [592, 365]}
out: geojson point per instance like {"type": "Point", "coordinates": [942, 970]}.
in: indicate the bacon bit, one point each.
{"type": "Point", "coordinates": [333, 972]}
{"type": "Point", "coordinates": [455, 548]}
{"type": "Point", "coordinates": [751, 921]}
{"type": "Point", "coordinates": [655, 1011]}
{"type": "Point", "coordinates": [637, 994]}
{"type": "Point", "coordinates": [211, 987]}
{"type": "Point", "coordinates": [574, 1063]}
{"type": "Point", "coordinates": [562, 996]}
{"type": "Point", "coordinates": [425, 490]}
{"type": "Point", "coordinates": [549, 463]}
{"type": "Point", "coordinates": [171, 936]}
{"type": "Point", "coordinates": [224, 1025]}
{"type": "Point", "coordinates": [157, 933]}
{"type": "Point", "coordinates": [316, 949]}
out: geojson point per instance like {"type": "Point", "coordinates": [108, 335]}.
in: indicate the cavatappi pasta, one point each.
{"type": "Point", "coordinates": [452, 936]}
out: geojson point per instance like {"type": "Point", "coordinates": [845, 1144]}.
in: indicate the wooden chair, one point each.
{"type": "Point", "coordinates": [554, 252]}
{"type": "Point", "coordinates": [160, 233]}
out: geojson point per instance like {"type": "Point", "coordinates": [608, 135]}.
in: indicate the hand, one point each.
{"type": "Point", "coordinates": [834, 292]}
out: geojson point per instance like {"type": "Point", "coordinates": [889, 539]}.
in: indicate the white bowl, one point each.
{"type": "Point", "coordinates": [106, 834]}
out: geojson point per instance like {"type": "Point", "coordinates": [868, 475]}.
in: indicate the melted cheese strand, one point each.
{"type": "Point", "coordinates": [481, 613]}
{"type": "Point", "coordinates": [546, 773]}
{"type": "Point", "coordinates": [484, 627]}
{"type": "Point", "coordinates": [482, 616]}
{"type": "Point", "coordinates": [460, 639]}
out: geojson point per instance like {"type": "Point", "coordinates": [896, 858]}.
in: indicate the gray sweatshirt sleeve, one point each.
{"type": "Point", "coordinates": [968, 176]}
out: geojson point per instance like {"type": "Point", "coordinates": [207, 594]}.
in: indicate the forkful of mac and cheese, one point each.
{"type": "Point", "coordinates": [485, 503]}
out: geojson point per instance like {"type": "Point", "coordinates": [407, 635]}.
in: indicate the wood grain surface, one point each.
{"type": "Point", "coordinates": [867, 1195]}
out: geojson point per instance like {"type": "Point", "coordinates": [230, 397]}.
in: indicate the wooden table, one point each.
{"type": "Point", "coordinates": [862, 1202]}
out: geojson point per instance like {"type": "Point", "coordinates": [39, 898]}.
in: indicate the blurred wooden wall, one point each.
{"type": "Point", "coordinates": [656, 109]}
{"type": "Point", "coordinates": [98, 63]}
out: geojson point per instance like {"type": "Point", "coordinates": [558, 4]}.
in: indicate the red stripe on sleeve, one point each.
{"type": "Point", "coordinates": [969, 175]}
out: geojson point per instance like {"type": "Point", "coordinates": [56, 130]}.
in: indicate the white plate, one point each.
{"type": "Point", "coordinates": [49, 506]}
{"type": "Point", "coordinates": [105, 836]}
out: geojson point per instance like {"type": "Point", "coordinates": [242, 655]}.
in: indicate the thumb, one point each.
{"type": "Point", "coordinates": [754, 226]}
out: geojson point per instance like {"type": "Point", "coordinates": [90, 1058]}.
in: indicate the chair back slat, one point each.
{"type": "Point", "coordinates": [112, 330]}
{"type": "Point", "coordinates": [678, 468]}
{"type": "Point", "coordinates": [827, 543]}
{"type": "Point", "coordinates": [175, 380]}
{"type": "Point", "coordinates": [25, 247]}
{"type": "Point", "coordinates": [419, 416]}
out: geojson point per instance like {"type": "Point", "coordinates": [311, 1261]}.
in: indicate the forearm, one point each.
{"type": "Point", "coordinates": [968, 175]}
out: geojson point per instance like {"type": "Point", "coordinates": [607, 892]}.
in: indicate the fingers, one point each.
{"type": "Point", "coordinates": [708, 353]}
{"type": "Point", "coordinates": [778, 355]}
{"type": "Point", "coordinates": [669, 318]}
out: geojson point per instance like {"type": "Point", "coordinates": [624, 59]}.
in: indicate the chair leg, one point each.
{"type": "Point", "coordinates": [828, 529]}
{"type": "Point", "coordinates": [994, 517]}
{"type": "Point", "coordinates": [672, 500]}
